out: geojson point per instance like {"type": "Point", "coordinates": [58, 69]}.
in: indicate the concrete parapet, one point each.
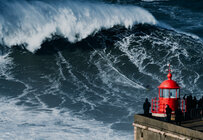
{"type": "Point", "coordinates": [146, 128]}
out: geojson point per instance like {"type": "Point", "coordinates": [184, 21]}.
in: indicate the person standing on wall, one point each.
{"type": "Point", "coordinates": [178, 116]}
{"type": "Point", "coordinates": [168, 113]}
{"type": "Point", "coordinates": [146, 107]}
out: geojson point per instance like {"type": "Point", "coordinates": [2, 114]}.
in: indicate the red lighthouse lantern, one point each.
{"type": "Point", "coordinates": [169, 94]}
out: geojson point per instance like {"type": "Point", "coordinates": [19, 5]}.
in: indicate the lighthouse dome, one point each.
{"type": "Point", "coordinates": [169, 84]}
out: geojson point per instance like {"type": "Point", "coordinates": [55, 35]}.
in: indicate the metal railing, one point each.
{"type": "Point", "coordinates": [156, 106]}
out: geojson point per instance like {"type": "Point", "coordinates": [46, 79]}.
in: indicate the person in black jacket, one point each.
{"type": "Point", "coordinates": [168, 113]}
{"type": "Point", "coordinates": [179, 116]}
{"type": "Point", "coordinates": [146, 107]}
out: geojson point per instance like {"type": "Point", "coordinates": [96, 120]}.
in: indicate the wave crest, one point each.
{"type": "Point", "coordinates": [35, 21]}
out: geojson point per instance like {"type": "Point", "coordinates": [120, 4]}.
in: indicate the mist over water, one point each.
{"type": "Point", "coordinates": [81, 69]}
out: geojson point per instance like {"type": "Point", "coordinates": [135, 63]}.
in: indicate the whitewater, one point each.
{"type": "Point", "coordinates": [30, 23]}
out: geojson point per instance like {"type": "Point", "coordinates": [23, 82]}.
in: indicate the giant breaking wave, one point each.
{"type": "Point", "coordinates": [29, 23]}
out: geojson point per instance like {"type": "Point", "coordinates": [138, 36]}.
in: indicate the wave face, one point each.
{"type": "Point", "coordinates": [81, 70]}
{"type": "Point", "coordinates": [35, 21]}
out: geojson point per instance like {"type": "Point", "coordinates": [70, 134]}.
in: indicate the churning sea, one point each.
{"type": "Point", "coordinates": [80, 69]}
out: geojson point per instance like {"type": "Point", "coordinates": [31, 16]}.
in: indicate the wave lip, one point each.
{"type": "Point", "coordinates": [36, 21]}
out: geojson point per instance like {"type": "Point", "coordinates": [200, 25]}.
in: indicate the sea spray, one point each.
{"type": "Point", "coordinates": [30, 23]}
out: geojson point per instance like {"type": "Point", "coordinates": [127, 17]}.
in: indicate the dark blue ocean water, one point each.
{"type": "Point", "coordinates": [80, 70]}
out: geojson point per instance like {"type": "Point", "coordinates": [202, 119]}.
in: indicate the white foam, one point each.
{"type": "Point", "coordinates": [117, 77]}
{"type": "Point", "coordinates": [22, 123]}
{"type": "Point", "coordinates": [136, 55]}
{"type": "Point", "coordinates": [5, 66]}
{"type": "Point", "coordinates": [35, 21]}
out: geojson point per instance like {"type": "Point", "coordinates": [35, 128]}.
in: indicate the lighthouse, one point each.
{"type": "Point", "coordinates": [168, 94]}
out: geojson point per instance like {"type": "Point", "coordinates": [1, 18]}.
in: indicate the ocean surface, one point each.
{"type": "Point", "coordinates": [80, 69]}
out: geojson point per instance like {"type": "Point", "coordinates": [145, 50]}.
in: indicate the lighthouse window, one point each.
{"type": "Point", "coordinates": [161, 92]}
{"type": "Point", "coordinates": [172, 93]}
{"type": "Point", "coordinates": [165, 93]}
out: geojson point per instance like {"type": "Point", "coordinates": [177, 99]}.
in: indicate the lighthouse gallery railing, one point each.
{"type": "Point", "coordinates": [155, 107]}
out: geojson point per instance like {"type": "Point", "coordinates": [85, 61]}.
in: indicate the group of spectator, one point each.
{"type": "Point", "coordinates": [192, 105]}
